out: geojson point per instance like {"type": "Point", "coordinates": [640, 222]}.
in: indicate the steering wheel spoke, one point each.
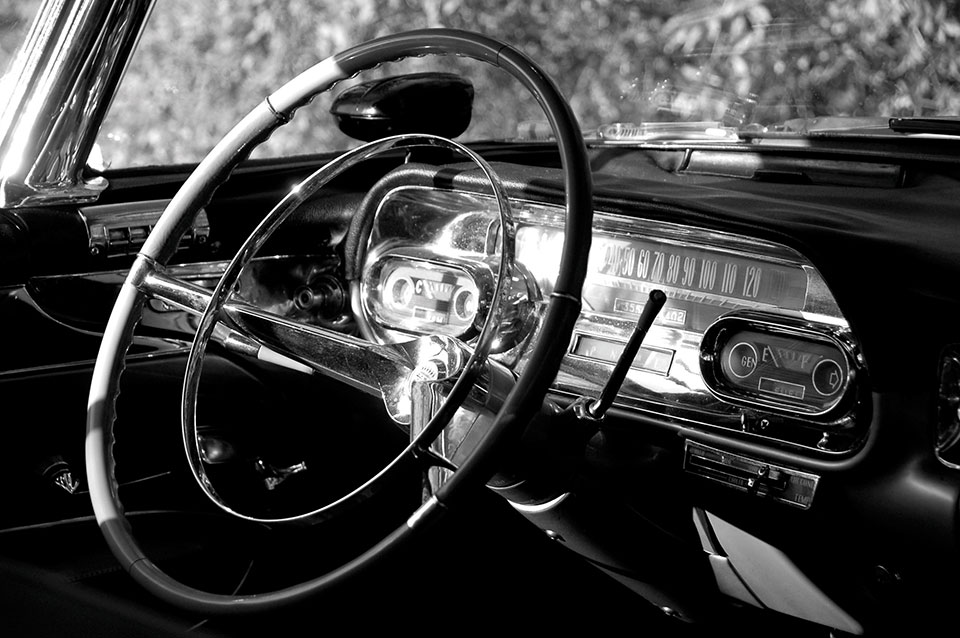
{"type": "Point", "coordinates": [193, 299]}
{"type": "Point", "coordinates": [379, 370]}
{"type": "Point", "coordinates": [366, 366]}
{"type": "Point", "coordinates": [385, 370]}
{"type": "Point", "coordinates": [441, 451]}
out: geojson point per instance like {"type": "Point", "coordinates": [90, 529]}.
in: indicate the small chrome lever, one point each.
{"type": "Point", "coordinates": [59, 474]}
{"type": "Point", "coordinates": [274, 476]}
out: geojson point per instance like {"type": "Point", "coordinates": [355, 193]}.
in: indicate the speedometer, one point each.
{"type": "Point", "coordinates": [701, 283]}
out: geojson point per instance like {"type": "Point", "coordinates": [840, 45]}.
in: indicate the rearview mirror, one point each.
{"type": "Point", "coordinates": [435, 103]}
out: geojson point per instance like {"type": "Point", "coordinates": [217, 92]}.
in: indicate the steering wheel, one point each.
{"type": "Point", "coordinates": [147, 278]}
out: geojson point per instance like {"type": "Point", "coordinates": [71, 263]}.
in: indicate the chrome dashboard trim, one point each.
{"type": "Point", "coordinates": [838, 337]}
{"type": "Point", "coordinates": [86, 364]}
{"type": "Point", "coordinates": [539, 508]}
{"type": "Point", "coordinates": [679, 397]}
{"type": "Point", "coordinates": [115, 230]}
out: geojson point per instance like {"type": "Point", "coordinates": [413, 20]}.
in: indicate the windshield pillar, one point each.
{"type": "Point", "coordinates": [57, 93]}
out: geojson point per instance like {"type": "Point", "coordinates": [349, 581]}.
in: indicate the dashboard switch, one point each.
{"type": "Point", "coordinates": [751, 475]}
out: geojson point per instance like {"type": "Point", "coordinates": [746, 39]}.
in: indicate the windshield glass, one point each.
{"type": "Point", "coordinates": [746, 65]}
{"type": "Point", "coordinates": [15, 19]}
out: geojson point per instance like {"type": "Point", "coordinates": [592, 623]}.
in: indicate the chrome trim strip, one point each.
{"type": "Point", "coordinates": [681, 397]}
{"type": "Point", "coordinates": [63, 81]}
{"type": "Point", "coordinates": [72, 366]}
{"type": "Point", "coordinates": [539, 508]}
{"type": "Point", "coordinates": [115, 230]}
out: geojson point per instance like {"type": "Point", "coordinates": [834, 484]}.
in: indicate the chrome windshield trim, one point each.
{"type": "Point", "coordinates": [61, 85]}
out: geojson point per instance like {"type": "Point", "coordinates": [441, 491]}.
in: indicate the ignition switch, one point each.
{"type": "Point", "coordinates": [325, 296]}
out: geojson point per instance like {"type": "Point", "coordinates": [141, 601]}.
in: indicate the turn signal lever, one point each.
{"type": "Point", "coordinates": [597, 409]}
{"type": "Point", "coordinates": [554, 443]}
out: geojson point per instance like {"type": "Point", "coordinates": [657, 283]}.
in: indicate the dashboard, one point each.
{"type": "Point", "coordinates": [789, 402]}
{"type": "Point", "coordinates": [750, 342]}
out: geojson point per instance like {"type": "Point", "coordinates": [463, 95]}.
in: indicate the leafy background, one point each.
{"type": "Point", "coordinates": [202, 65]}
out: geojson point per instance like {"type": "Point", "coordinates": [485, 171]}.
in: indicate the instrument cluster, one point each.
{"type": "Point", "coordinates": [750, 340]}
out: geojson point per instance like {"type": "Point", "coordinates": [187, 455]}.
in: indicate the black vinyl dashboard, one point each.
{"type": "Point", "coordinates": [789, 396]}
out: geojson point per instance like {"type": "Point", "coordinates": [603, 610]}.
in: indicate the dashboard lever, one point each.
{"type": "Point", "coordinates": [274, 476]}
{"type": "Point", "coordinates": [596, 409]}
{"type": "Point", "coordinates": [553, 445]}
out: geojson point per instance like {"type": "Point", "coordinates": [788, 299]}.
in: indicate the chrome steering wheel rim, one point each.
{"type": "Point", "coordinates": [468, 375]}
{"type": "Point", "coordinates": [277, 109]}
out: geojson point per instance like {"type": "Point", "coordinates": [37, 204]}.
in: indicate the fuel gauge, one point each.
{"type": "Point", "coordinates": [775, 364]}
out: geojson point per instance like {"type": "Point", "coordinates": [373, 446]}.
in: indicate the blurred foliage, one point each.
{"type": "Point", "coordinates": [15, 19]}
{"type": "Point", "coordinates": [202, 65]}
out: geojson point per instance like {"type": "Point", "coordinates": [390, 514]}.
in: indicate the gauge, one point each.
{"type": "Point", "coordinates": [422, 297]}
{"type": "Point", "coordinates": [776, 363]}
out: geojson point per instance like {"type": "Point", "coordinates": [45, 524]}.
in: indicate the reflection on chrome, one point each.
{"type": "Point", "coordinates": [706, 275]}
{"type": "Point", "coordinates": [55, 103]}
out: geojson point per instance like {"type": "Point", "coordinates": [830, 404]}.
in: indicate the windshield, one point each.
{"type": "Point", "coordinates": [750, 66]}
{"type": "Point", "coordinates": [15, 19]}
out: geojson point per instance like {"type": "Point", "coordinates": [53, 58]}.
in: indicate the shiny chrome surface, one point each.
{"type": "Point", "coordinates": [392, 371]}
{"type": "Point", "coordinates": [668, 383]}
{"type": "Point", "coordinates": [947, 430]}
{"type": "Point", "coordinates": [358, 363]}
{"type": "Point", "coordinates": [72, 344]}
{"type": "Point", "coordinates": [371, 367]}
{"type": "Point", "coordinates": [426, 398]}
{"type": "Point", "coordinates": [176, 292]}
{"type": "Point", "coordinates": [842, 402]}
{"type": "Point", "coordinates": [385, 370]}
{"type": "Point", "coordinates": [753, 476]}
{"type": "Point", "coordinates": [66, 482]}
{"type": "Point", "coordinates": [62, 82]}
{"type": "Point", "coordinates": [273, 476]}
{"type": "Point", "coordinates": [481, 244]}
{"type": "Point", "coordinates": [79, 304]}
{"type": "Point", "coordinates": [470, 423]}
{"type": "Point", "coordinates": [120, 229]}
{"type": "Point", "coordinates": [59, 475]}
